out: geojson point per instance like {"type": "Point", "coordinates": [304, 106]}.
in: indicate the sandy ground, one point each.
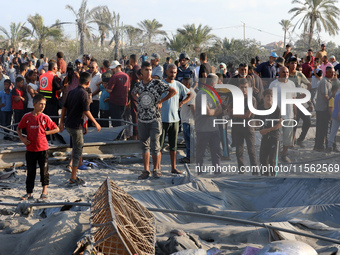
{"type": "Point", "coordinates": [58, 233]}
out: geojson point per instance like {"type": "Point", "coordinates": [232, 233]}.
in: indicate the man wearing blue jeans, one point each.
{"type": "Point", "coordinates": [148, 94]}
{"type": "Point", "coordinates": [335, 123]}
{"type": "Point", "coordinates": [187, 119]}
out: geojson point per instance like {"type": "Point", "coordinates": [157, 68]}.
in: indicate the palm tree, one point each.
{"type": "Point", "coordinates": [133, 33]}
{"type": "Point", "coordinates": [17, 33]}
{"type": "Point", "coordinates": [151, 28]}
{"type": "Point", "coordinates": [40, 32]}
{"type": "Point", "coordinates": [117, 28]}
{"type": "Point", "coordinates": [316, 13]}
{"type": "Point", "coordinates": [83, 18]}
{"type": "Point", "coordinates": [177, 43]}
{"type": "Point", "coordinates": [101, 18]}
{"type": "Point", "coordinates": [197, 37]}
{"type": "Point", "coordinates": [286, 25]}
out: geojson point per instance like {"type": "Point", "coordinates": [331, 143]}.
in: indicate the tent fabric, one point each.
{"type": "Point", "coordinates": [303, 204]}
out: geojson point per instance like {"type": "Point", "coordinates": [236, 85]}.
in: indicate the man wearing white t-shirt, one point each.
{"type": "Point", "coordinates": [96, 77]}
{"type": "Point", "coordinates": [287, 131]}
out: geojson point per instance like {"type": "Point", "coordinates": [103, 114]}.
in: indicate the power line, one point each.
{"type": "Point", "coordinates": [227, 27]}
{"type": "Point", "coordinates": [264, 31]}
{"type": "Point", "coordinates": [237, 26]}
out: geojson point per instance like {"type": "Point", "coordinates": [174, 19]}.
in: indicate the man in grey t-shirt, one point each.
{"type": "Point", "coordinates": [157, 70]}
{"type": "Point", "coordinates": [321, 108]}
{"type": "Point", "coordinates": [206, 131]}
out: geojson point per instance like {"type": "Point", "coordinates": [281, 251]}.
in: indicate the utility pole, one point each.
{"type": "Point", "coordinates": [77, 36]}
{"type": "Point", "coordinates": [244, 31]}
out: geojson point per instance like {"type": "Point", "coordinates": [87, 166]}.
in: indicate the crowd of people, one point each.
{"type": "Point", "coordinates": [160, 100]}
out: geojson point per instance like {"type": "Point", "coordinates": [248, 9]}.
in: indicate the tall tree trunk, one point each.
{"type": "Point", "coordinates": [310, 33]}
{"type": "Point", "coordinates": [197, 50]}
{"type": "Point", "coordinates": [102, 38]}
{"type": "Point", "coordinates": [82, 39]}
{"type": "Point", "coordinates": [116, 44]}
{"type": "Point", "coordinates": [284, 39]}
{"type": "Point", "coordinates": [39, 48]}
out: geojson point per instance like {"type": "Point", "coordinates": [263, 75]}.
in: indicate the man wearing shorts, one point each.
{"type": "Point", "coordinates": [170, 116]}
{"type": "Point", "coordinates": [76, 105]}
{"type": "Point", "coordinates": [148, 94]}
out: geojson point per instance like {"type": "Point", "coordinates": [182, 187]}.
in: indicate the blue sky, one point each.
{"type": "Point", "coordinates": [224, 16]}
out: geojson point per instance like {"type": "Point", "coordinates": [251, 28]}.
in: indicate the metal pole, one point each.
{"type": "Point", "coordinates": [244, 31]}
{"type": "Point", "coordinates": [11, 130]}
{"type": "Point", "coordinates": [200, 215]}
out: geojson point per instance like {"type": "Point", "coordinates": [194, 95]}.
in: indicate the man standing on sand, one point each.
{"type": "Point", "coordinates": [300, 81]}
{"type": "Point", "coordinates": [76, 105]}
{"type": "Point", "coordinates": [148, 94]}
{"type": "Point", "coordinates": [206, 131]}
{"type": "Point", "coordinates": [321, 108]}
{"type": "Point", "coordinates": [287, 131]}
{"type": "Point", "coordinates": [170, 118]}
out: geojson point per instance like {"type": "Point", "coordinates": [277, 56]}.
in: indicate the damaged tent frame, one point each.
{"type": "Point", "coordinates": [200, 215]}
{"type": "Point", "coordinates": [10, 131]}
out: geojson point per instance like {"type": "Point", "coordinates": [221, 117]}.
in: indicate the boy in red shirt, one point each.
{"type": "Point", "coordinates": [36, 123]}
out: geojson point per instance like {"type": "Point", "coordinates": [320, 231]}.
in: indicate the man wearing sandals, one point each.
{"type": "Point", "coordinates": [76, 106]}
{"type": "Point", "coordinates": [170, 117]}
{"type": "Point", "coordinates": [148, 94]}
